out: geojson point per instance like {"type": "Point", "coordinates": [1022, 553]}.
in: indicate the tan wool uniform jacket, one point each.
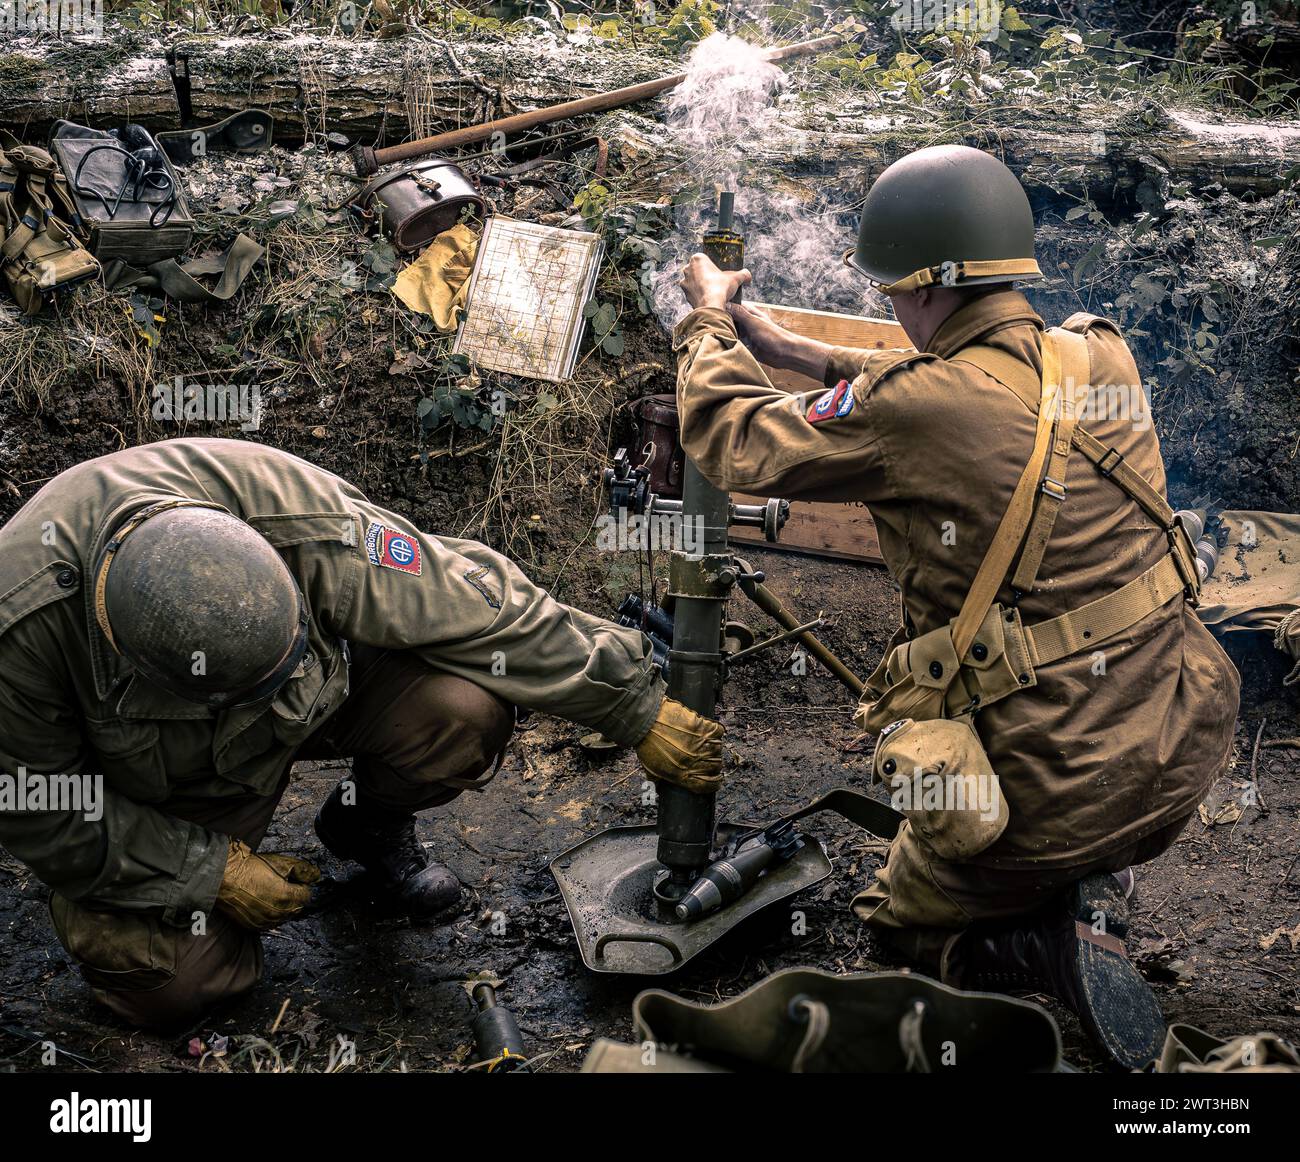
{"type": "Point", "coordinates": [68, 703]}
{"type": "Point", "coordinates": [1108, 745]}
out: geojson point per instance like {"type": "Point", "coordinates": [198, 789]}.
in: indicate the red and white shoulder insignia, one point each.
{"type": "Point", "coordinates": [391, 549]}
{"type": "Point", "coordinates": [834, 404]}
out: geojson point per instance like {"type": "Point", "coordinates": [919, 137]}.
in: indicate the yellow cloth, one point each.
{"type": "Point", "coordinates": [436, 283]}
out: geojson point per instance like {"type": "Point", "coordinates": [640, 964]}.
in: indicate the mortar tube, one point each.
{"type": "Point", "coordinates": [685, 819]}
{"type": "Point", "coordinates": [726, 209]}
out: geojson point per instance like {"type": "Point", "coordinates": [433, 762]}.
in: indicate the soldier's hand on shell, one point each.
{"type": "Point", "coordinates": [706, 286]}
{"type": "Point", "coordinates": [261, 891]}
{"type": "Point", "coordinates": [684, 748]}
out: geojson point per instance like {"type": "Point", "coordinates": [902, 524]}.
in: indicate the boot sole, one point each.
{"type": "Point", "coordinates": [1120, 1010]}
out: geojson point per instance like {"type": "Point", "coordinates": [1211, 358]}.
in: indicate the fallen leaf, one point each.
{"type": "Point", "coordinates": [1228, 811]}
{"type": "Point", "coordinates": [1292, 934]}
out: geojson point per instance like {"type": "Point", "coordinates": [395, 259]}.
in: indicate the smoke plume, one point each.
{"type": "Point", "coordinates": [725, 107]}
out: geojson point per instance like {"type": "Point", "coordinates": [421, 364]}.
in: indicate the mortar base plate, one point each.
{"type": "Point", "coordinates": [607, 882]}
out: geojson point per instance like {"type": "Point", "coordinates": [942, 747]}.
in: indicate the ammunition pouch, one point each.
{"type": "Point", "coordinates": [922, 678]}
{"type": "Point", "coordinates": [39, 254]}
{"type": "Point", "coordinates": [920, 700]}
{"type": "Point", "coordinates": [802, 1020]}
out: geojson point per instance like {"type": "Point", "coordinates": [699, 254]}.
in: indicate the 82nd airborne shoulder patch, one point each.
{"type": "Point", "coordinates": [391, 549]}
{"type": "Point", "coordinates": [834, 404]}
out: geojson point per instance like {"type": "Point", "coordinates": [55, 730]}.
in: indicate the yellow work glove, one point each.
{"type": "Point", "coordinates": [684, 748]}
{"type": "Point", "coordinates": [261, 891]}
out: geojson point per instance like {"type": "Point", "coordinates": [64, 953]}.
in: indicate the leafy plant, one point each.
{"type": "Point", "coordinates": [604, 327]}
{"type": "Point", "coordinates": [457, 394]}
{"type": "Point", "coordinates": [593, 202]}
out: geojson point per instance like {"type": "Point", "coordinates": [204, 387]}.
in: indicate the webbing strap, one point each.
{"type": "Point", "coordinates": [1075, 372]}
{"type": "Point", "coordinates": [1006, 541]}
{"type": "Point", "coordinates": [8, 188]}
{"type": "Point", "coordinates": [33, 167]}
{"type": "Point", "coordinates": [26, 229]}
{"type": "Point", "coordinates": [177, 281]}
{"type": "Point", "coordinates": [1019, 378]}
{"type": "Point", "coordinates": [1099, 620]}
{"type": "Point", "coordinates": [1112, 465]}
{"type": "Point", "coordinates": [1094, 623]}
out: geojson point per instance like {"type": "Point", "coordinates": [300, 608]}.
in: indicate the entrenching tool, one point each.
{"type": "Point", "coordinates": [623, 887]}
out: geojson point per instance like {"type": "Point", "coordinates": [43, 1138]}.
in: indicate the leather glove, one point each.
{"type": "Point", "coordinates": [684, 748]}
{"type": "Point", "coordinates": [261, 891]}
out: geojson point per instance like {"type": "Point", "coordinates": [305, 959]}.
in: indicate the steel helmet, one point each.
{"type": "Point", "coordinates": [200, 604]}
{"type": "Point", "coordinates": [948, 215]}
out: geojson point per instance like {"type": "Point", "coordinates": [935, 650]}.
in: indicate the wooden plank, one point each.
{"type": "Point", "coordinates": [842, 531]}
{"type": "Point", "coordinates": [834, 328]}
{"type": "Point", "coordinates": [838, 330]}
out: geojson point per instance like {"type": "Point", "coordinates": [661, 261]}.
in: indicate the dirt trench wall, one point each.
{"type": "Point", "coordinates": [1228, 416]}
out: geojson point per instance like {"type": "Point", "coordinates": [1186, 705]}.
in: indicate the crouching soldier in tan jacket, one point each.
{"type": "Point", "coordinates": [1049, 632]}
{"type": "Point", "coordinates": [180, 622]}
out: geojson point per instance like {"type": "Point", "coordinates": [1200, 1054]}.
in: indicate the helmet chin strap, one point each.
{"type": "Point", "coordinates": [954, 273]}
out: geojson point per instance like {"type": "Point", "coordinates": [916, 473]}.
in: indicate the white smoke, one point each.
{"type": "Point", "coordinates": [724, 108]}
{"type": "Point", "coordinates": [795, 253]}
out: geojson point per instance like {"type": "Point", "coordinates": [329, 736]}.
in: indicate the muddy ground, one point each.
{"type": "Point", "coordinates": [1217, 918]}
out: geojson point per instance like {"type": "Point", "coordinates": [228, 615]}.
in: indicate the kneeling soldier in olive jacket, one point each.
{"type": "Point", "coordinates": [185, 620]}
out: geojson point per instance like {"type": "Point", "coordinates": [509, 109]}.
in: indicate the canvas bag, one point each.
{"type": "Point", "coordinates": [140, 238]}
{"type": "Point", "coordinates": [39, 253]}
{"type": "Point", "coordinates": [804, 1020]}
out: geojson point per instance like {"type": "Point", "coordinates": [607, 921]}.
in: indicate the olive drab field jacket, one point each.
{"type": "Point", "coordinates": [69, 703]}
{"type": "Point", "coordinates": [1102, 746]}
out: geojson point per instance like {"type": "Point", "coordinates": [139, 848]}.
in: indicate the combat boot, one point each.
{"type": "Point", "coordinates": [385, 844]}
{"type": "Point", "coordinates": [1074, 951]}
